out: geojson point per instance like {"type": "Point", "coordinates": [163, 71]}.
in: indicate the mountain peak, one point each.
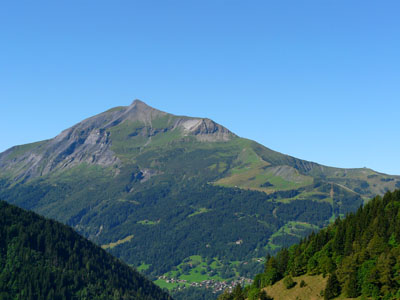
{"type": "Point", "coordinates": [139, 103]}
{"type": "Point", "coordinates": [138, 106]}
{"type": "Point", "coordinates": [140, 111]}
{"type": "Point", "coordinates": [90, 140]}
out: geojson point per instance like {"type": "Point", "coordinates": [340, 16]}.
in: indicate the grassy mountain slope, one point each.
{"type": "Point", "coordinates": [43, 259]}
{"type": "Point", "coordinates": [310, 289]}
{"type": "Point", "coordinates": [359, 256]}
{"type": "Point", "coordinates": [155, 189]}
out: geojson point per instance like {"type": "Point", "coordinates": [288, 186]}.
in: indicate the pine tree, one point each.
{"type": "Point", "coordinates": [282, 261]}
{"type": "Point", "coordinates": [238, 293]}
{"type": "Point", "coordinates": [384, 265]}
{"type": "Point", "coordinates": [288, 282]}
{"type": "Point", "coordinates": [225, 296]}
{"type": "Point", "coordinates": [376, 245]}
{"type": "Point", "coordinates": [351, 286]}
{"type": "Point", "coordinates": [265, 296]}
{"type": "Point", "coordinates": [332, 289]}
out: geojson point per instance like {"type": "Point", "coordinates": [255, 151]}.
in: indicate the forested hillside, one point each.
{"type": "Point", "coordinates": [360, 255]}
{"type": "Point", "coordinates": [43, 259]}
{"type": "Point", "coordinates": [164, 223]}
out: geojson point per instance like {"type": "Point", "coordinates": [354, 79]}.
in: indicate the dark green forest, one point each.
{"type": "Point", "coordinates": [173, 220]}
{"type": "Point", "coordinates": [43, 259]}
{"type": "Point", "coordinates": [360, 254]}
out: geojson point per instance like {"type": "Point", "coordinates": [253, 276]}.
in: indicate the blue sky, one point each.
{"type": "Point", "coordinates": [319, 80]}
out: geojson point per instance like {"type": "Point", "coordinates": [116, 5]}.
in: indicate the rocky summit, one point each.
{"type": "Point", "coordinates": [89, 141]}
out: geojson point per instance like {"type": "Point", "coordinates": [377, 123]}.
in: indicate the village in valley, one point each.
{"type": "Point", "coordinates": [216, 286]}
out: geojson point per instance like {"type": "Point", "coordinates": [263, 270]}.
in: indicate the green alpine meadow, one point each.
{"type": "Point", "coordinates": [183, 199]}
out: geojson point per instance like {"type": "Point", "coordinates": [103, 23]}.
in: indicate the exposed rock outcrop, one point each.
{"type": "Point", "coordinates": [90, 141]}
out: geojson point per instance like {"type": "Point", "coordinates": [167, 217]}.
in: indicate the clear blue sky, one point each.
{"type": "Point", "coordinates": [316, 79]}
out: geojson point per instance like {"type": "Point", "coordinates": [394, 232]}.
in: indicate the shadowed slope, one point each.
{"type": "Point", "coordinates": [43, 259]}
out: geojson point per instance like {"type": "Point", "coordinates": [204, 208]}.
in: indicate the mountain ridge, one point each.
{"type": "Point", "coordinates": [88, 141]}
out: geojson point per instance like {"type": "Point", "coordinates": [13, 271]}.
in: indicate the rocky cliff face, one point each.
{"type": "Point", "coordinates": [84, 142]}
{"type": "Point", "coordinates": [206, 130]}
{"type": "Point", "coordinates": [90, 141]}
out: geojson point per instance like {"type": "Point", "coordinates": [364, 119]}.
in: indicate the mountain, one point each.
{"type": "Point", "coordinates": [43, 259]}
{"type": "Point", "coordinates": [107, 139]}
{"type": "Point", "coordinates": [120, 135]}
{"type": "Point", "coordinates": [356, 256]}
{"type": "Point", "coordinates": [178, 196]}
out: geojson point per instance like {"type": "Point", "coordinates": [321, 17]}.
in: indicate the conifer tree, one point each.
{"type": "Point", "coordinates": [238, 293]}
{"type": "Point", "coordinates": [265, 296]}
{"type": "Point", "coordinates": [225, 296]}
{"type": "Point", "coordinates": [332, 289]}
{"type": "Point", "coordinates": [351, 286]}
{"type": "Point", "coordinates": [288, 282]}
